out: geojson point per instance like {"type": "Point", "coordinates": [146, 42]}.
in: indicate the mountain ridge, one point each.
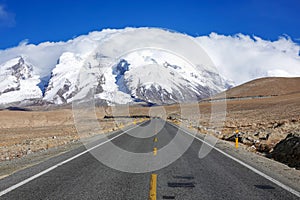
{"type": "Point", "coordinates": [179, 81]}
{"type": "Point", "coordinates": [150, 75]}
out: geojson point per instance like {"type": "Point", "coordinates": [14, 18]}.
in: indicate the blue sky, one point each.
{"type": "Point", "coordinates": [50, 20]}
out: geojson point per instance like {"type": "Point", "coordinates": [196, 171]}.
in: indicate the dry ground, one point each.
{"type": "Point", "coordinates": [263, 122]}
{"type": "Point", "coordinates": [25, 132]}
{"type": "Point", "coordinates": [265, 111]}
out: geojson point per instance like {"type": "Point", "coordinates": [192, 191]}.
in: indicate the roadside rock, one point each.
{"type": "Point", "coordinates": [262, 147]}
{"type": "Point", "coordinates": [248, 141]}
{"type": "Point", "coordinates": [264, 136]}
{"type": "Point", "coordinates": [288, 151]}
{"type": "Point", "coordinates": [231, 125]}
{"type": "Point", "coordinates": [230, 138]}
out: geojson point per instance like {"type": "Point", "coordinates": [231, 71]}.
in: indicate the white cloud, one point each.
{"type": "Point", "coordinates": [23, 42]}
{"type": "Point", "coordinates": [243, 58]}
{"type": "Point", "coordinates": [7, 19]}
{"type": "Point", "coordinates": [44, 56]}
{"type": "Point", "coordinates": [239, 57]}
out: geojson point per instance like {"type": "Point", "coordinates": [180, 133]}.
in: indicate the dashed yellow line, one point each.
{"type": "Point", "coordinates": [153, 184]}
{"type": "Point", "coordinates": [154, 151]}
{"type": "Point", "coordinates": [153, 180]}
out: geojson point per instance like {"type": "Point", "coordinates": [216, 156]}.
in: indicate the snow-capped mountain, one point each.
{"type": "Point", "coordinates": [61, 72]}
{"type": "Point", "coordinates": [144, 76]}
{"type": "Point", "coordinates": [148, 75]}
{"type": "Point", "coordinates": [62, 84]}
{"type": "Point", "coordinates": [18, 81]}
{"type": "Point", "coordinates": [159, 77]}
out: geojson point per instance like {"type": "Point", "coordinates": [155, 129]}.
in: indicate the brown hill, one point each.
{"type": "Point", "coordinates": [263, 87]}
{"type": "Point", "coordinates": [266, 112]}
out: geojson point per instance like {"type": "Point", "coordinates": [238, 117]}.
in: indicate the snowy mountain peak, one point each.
{"type": "Point", "coordinates": [156, 76]}
{"type": "Point", "coordinates": [21, 70]}
{"type": "Point", "coordinates": [150, 75]}
{"type": "Point", "coordinates": [62, 84]}
{"type": "Point", "coordinates": [162, 74]}
{"type": "Point", "coordinates": [17, 81]}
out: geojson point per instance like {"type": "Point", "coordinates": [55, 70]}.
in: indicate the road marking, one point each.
{"type": "Point", "coordinates": [154, 151]}
{"type": "Point", "coordinates": [13, 187]}
{"type": "Point", "coordinates": [155, 139]}
{"type": "Point", "coordinates": [153, 185]}
{"type": "Point", "coordinates": [291, 190]}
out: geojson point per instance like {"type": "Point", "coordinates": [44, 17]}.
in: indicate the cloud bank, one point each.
{"type": "Point", "coordinates": [243, 58]}
{"type": "Point", "coordinates": [240, 58]}
{"type": "Point", "coordinates": [44, 56]}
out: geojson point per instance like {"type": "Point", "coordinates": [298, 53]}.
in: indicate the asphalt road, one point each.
{"type": "Point", "coordinates": [84, 177]}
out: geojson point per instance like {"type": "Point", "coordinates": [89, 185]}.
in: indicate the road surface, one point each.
{"type": "Point", "coordinates": [84, 177]}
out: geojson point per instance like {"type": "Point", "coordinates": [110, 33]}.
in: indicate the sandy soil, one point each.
{"type": "Point", "coordinates": [25, 132]}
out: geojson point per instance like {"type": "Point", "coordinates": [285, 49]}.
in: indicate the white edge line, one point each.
{"type": "Point", "coordinates": [291, 190]}
{"type": "Point", "coordinates": [13, 187]}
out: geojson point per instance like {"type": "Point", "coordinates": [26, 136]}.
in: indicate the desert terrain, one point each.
{"type": "Point", "coordinates": [266, 114]}
{"type": "Point", "coordinates": [265, 111]}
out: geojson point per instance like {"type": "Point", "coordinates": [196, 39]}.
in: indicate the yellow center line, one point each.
{"type": "Point", "coordinates": [153, 184]}
{"type": "Point", "coordinates": [154, 151]}
{"type": "Point", "coordinates": [153, 181]}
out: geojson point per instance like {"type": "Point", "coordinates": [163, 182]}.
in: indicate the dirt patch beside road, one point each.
{"type": "Point", "coordinates": [26, 132]}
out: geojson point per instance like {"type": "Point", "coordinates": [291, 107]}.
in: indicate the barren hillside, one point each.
{"type": "Point", "coordinates": [264, 87]}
